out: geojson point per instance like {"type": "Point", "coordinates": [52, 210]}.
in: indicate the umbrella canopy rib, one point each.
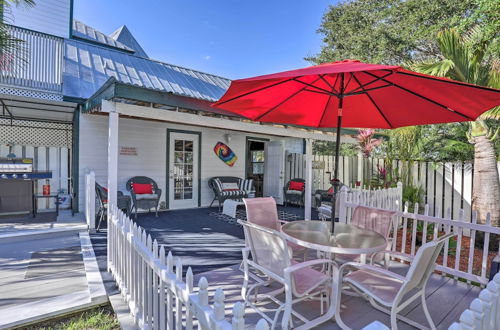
{"type": "Point", "coordinates": [315, 87]}
{"type": "Point", "coordinates": [423, 97]}
{"type": "Point", "coordinates": [361, 86]}
{"type": "Point", "coordinates": [282, 102]}
{"type": "Point", "coordinates": [447, 81]}
{"type": "Point", "coordinates": [257, 90]}
{"type": "Point", "coordinates": [375, 105]}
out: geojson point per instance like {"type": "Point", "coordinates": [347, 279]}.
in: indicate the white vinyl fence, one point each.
{"type": "Point", "coordinates": [152, 284]}
{"type": "Point", "coordinates": [411, 226]}
{"type": "Point", "coordinates": [445, 185]}
{"type": "Point", "coordinates": [484, 312]}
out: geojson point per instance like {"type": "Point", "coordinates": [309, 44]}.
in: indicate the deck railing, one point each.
{"type": "Point", "coordinates": [152, 283]}
{"type": "Point", "coordinates": [409, 234]}
{"type": "Point", "coordinates": [484, 311]}
{"type": "Point", "coordinates": [36, 63]}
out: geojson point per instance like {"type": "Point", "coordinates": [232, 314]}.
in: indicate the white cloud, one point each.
{"type": "Point", "coordinates": [207, 57]}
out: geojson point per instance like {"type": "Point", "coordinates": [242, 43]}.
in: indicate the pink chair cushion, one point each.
{"type": "Point", "coordinates": [379, 221]}
{"type": "Point", "coordinates": [263, 212]}
{"type": "Point", "coordinates": [307, 279]}
{"type": "Point", "coordinates": [379, 283]}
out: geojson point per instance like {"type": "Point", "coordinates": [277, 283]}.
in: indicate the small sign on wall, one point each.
{"type": "Point", "coordinates": [128, 151]}
{"type": "Point", "coordinates": [318, 164]}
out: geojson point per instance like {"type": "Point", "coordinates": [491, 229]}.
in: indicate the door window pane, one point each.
{"type": "Point", "coordinates": [179, 145]}
{"type": "Point", "coordinates": [183, 169]}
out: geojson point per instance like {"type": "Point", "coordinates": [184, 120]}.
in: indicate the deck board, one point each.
{"type": "Point", "coordinates": [447, 299]}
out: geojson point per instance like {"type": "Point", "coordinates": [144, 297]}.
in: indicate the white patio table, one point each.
{"type": "Point", "coordinates": [346, 239]}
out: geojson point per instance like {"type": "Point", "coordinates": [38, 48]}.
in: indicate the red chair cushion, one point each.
{"type": "Point", "coordinates": [142, 188]}
{"type": "Point", "coordinates": [296, 185]}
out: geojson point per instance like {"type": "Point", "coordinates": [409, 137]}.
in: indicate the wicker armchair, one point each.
{"type": "Point", "coordinates": [245, 186]}
{"type": "Point", "coordinates": [294, 196]}
{"type": "Point", "coordinates": [144, 201]}
{"type": "Point", "coordinates": [123, 203]}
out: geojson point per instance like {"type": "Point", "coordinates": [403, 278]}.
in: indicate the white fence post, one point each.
{"type": "Point", "coordinates": [90, 199]}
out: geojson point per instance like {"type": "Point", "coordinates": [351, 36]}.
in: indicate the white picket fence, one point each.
{"type": "Point", "coordinates": [445, 185]}
{"type": "Point", "coordinates": [90, 200]}
{"type": "Point", "coordinates": [484, 312]}
{"type": "Point", "coordinates": [388, 199]}
{"type": "Point", "coordinates": [157, 295]}
{"type": "Point", "coordinates": [411, 225]}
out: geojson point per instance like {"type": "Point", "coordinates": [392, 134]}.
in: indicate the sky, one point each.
{"type": "Point", "coordinates": [230, 38]}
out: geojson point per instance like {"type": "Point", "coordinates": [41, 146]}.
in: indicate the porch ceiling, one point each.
{"type": "Point", "coordinates": [18, 107]}
{"type": "Point", "coordinates": [137, 102]}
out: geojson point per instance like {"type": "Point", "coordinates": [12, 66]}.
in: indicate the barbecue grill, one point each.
{"type": "Point", "coordinates": [17, 185]}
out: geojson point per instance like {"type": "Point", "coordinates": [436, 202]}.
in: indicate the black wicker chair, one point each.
{"type": "Point", "coordinates": [102, 197]}
{"type": "Point", "coordinates": [294, 196]}
{"type": "Point", "coordinates": [144, 201]}
{"type": "Point", "coordinates": [221, 196]}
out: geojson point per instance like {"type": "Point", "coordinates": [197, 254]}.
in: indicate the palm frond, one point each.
{"type": "Point", "coordinates": [491, 114]}
{"type": "Point", "coordinates": [439, 69]}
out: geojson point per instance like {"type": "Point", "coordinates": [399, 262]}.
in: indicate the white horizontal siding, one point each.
{"type": "Point", "coordinates": [149, 138]}
{"type": "Point", "coordinates": [47, 16]}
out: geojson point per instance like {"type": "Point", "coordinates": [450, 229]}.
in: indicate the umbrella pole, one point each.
{"type": "Point", "coordinates": [336, 182]}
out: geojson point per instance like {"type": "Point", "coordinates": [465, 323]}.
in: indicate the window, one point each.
{"type": "Point", "coordinates": [258, 162]}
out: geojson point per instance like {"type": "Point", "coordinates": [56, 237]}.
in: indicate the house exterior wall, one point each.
{"type": "Point", "coordinates": [150, 139]}
{"type": "Point", "coordinates": [47, 16]}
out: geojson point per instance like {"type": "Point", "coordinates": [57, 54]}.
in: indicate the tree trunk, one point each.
{"type": "Point", "coordinates": [486, 190]}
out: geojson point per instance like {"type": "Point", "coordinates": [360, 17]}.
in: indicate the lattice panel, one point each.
{"type": "Point", "coordinates": [35, 133]}
{"type": "Point", "coordinates": [30, 93]}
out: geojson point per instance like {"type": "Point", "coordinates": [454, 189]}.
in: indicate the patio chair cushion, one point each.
{"type": "Point", "coordinates": [246, 185]}
{"type": "Point", "coordinates": [379, 283]}
{"type": "Point", "coordinates": [294, 192]}
{"type": "Point", "coordinates": [230, 186]}
{"type": "Point", "coordinates": [307, 279]}
{"type": "Point", "coordinates": [142, 188]}
{"type": "Point", "coordinates": [218, 184]}
{"type": "Point", "coordinates": [233, 193]}
{"type": "Point", "coordinates": [296, 186]}
{"type": "Point", "coordinates": [146, 196]}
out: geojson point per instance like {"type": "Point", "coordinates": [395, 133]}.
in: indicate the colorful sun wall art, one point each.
{"type": "Point", "coordinates": [225, 153]}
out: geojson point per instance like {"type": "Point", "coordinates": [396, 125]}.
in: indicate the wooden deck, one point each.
{"type": "Point", "coordinates": [446, 299]}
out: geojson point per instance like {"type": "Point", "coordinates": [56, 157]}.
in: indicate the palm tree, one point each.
{"type": "Point", "coordinates": [10, 47]}
{"type": "Point", "coordinates": [463, 62]}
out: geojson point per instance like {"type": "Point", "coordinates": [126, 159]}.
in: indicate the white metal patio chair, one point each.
{"type": "Point", "coordinates": [377, 220]}
{"type": "Point", "coordinates": [264, 212]}
{"type": "Point", "coordinates": [271, 256]}
{"type": "Point", "coordinates": [386, 290]}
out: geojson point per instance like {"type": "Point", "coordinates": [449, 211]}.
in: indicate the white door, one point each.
{"type": "Point", "coordinates": [273, 170]}
{"type": "Point", "coordinates": [183, 170]}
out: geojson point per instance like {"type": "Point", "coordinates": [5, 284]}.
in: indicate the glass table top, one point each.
{"type": "Point", "coordinates": [347, 239]}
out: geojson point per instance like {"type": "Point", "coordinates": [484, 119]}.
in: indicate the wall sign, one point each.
{"type": "Point", "coordinates": [128, 151]}
{"type": "Point", "coordinates": [318, 164]}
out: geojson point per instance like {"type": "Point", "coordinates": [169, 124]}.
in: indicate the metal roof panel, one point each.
{"type": "Point", "coordinates": [88, 66]}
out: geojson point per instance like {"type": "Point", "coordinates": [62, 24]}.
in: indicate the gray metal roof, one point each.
{"type": "Point", "coordinates": [88, 66]}
{"type": "Point", "coordinates": [84, 31]}
{"type": "Point", "coordinates": [124, 36]}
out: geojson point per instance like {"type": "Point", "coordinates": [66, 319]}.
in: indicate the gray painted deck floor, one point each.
{"type": "Point", "coordinates": [446, 299]}
{"type": "Point", "coordinates": [43, 277]}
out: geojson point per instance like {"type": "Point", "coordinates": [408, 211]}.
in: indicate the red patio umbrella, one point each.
{"type": "Point", "coordinates": [358, 95]}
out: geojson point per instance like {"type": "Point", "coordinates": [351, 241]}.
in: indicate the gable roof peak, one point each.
{"type": "Point", "coordinates": [124, 36]}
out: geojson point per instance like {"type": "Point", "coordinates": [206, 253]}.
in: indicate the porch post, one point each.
{"type": "Point", "coordinates": [360, 169]}
{"type": "Point", "coordinates": [309, 179]}
{"type": "Point", "coordinates": [110, 108]}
